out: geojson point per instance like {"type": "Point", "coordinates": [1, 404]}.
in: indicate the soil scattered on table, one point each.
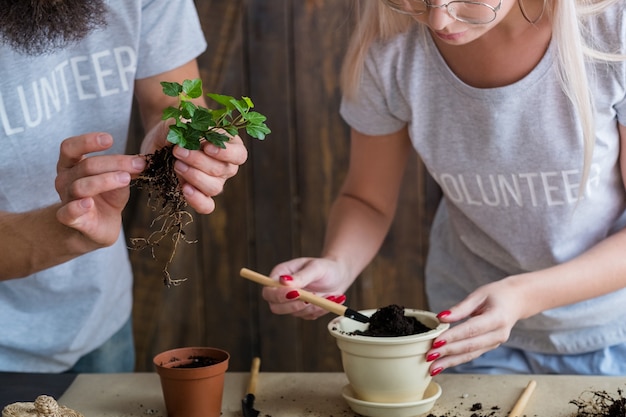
{"type": "Point", "coordinates": [390, 321]}
{"type": "Point", "coordinates": [490, 412]}
{"type": "Point", "coordinates": [601, 404]}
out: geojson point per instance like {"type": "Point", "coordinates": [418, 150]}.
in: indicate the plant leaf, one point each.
{"type": "Point", "coordinates": [258, 132]}
{"type": "Point", "coordinates": [170, 113]}
{"type": "Point", "coordinates": [193, 123]}
{"type": "Point", "coordinates": [225, 101]}
{"type": "Point", "coordinates": [171, 89]}
{"type": "Point", "coordinates": [193, 88]}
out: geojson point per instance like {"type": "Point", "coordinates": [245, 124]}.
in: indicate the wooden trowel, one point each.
{"type": "Point", "coordinates": [247, 403]}
{"type": "Point", "coordinates": [328, 305]}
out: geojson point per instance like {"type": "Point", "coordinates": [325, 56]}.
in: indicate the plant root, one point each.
{"type": "Point", "coordinates": [165, 197]}
{"type": "Point", "coordinates": [601, 404]}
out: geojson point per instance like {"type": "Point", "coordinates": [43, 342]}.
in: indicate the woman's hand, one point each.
{"type": "Point", "coordinates": [324, 277]}
{"type": "Point", "coordinates": [203, 172]}
{"type": "Point", "coordinates": [489, 313]}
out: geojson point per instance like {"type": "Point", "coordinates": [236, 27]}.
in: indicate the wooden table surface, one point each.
{"type": "Point", "coordinates": [319, 394]}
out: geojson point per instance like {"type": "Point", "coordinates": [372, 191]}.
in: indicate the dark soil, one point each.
{"type": "Point", "coordinates": [166, 199]}
{"type": "Point", "coordinates": [601, 404]}
{"type": "Point", "coordinates": [390, 321]}
{"type": "Point", "coordinates": [198, 362]}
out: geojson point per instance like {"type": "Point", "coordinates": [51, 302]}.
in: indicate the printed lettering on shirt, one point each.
{"type": "Point", "coordinates": [534, 189]}
{"type": "Point", "coordinates": [84, 77]}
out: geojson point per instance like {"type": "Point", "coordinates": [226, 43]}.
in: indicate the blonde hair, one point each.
{"type": "Point", "coordinates": [574, 48]}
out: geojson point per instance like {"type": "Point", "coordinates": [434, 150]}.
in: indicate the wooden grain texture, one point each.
{"type": "Point", "coordinates": [286, 55]}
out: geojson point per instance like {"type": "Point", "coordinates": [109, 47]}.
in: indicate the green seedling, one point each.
{"type": "Point", "coordinates": [193, 125]}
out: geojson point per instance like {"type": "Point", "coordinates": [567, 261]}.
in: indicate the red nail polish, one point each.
{"type": "Point", "coordinates": [286, 278]}
{"type": "Point", "coordinates": [292, 294]}
{"type": "Point", "coordinates": [436, 371]}
{"type": "Point", "coordinates": [331, 298]}
{"type": "Point", "coordinates": [340, 299]}
{"type": "Point", "coordinates": [439, 343]}
{"type": "Point", "coordinates": [444, 314]}
{"type": "Point", "coordinates": [433, 356]}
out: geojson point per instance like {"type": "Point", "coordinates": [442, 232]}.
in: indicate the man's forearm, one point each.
{"type": "Point", "coordinates": [35, 240]}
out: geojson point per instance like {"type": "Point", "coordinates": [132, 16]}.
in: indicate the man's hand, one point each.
{"type": "Point", "coordinates": [204, 172]}
{"type": "Point", "coordinates": [94, 189]}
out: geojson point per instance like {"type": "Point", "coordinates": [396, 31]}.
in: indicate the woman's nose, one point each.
{"type": "Point", "coordinates": [439, 18]}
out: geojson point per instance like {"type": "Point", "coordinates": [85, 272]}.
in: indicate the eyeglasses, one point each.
{"type": "Point", "coordinates": [473, 12]}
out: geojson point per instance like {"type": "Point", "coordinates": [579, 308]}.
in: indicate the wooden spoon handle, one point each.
{"type": "Point", "coordinates": [322, 302]}
{"type": "Point", "coordinates": [519, 406]}
{"type": "Point", "coordinates": [254, 375]}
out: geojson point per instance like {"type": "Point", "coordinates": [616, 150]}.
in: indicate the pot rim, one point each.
{"type": "Point", "coordinates": [164, 360]}
{"type": "Point", "coordinates": [334, 327]}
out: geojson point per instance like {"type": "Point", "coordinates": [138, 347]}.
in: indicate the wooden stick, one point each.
{"type": "Point", "coordinates": [519, 406]}
{"type": "Point", "coordinates": [338, 309]}
{"type": "Point", "coordinates": [254, 375]}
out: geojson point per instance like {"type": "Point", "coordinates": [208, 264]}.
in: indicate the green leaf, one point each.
{"type": "Point", "coordinates": [194, 124]}
{"type": "Point", "coordinates": [171, 89]}
{"type": "Point", "coordinates": [217, 139]}
{"type": "Point", "coordinates": [193, 88]}
{"type": "Point", "coordinates": [241, 106]}
{"type": "Point", "coordinates": [176, 135]}
{"type": "Point", "coordinates": [254, 118]}
{"type": "Point", "coordinates": [202, 119]}
{"type": "Point", "coordinates": [187, 109]}
{"type": "Point", "coordinates": [170, 113]}
{"type": "Point", "coordinates": [225, 101]}
{"type": "Point", "coordinates": [258, 132]}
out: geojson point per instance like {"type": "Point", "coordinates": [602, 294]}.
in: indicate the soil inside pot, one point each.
{"type": "Point", "coordinates": [197, 362]}
{"type": "Point", "coordinates": [390, 321]}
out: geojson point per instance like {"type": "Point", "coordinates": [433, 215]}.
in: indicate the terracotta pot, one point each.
{"type": "Point", "coordinates": [192, 391]}
{"type": "Point", "coordinates": [386, 369]}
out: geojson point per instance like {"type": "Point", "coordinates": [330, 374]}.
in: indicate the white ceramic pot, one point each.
{"type": "Point", "coordinates": [386, 369]}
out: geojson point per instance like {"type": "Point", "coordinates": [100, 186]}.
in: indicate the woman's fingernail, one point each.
{"type": "Point", "coordinates": [331, 298]}
{"type": "Point", "coordinates": [292, 294]}
{"type": "Point", "coordinates": [443, 314]}
{"type": "Point", "coordinates": [436, 371]}
{"type": "Point", "coordinates": [433, 356]}
{"type": "Point", "coordinates": [439, 343]}
{"type": "Point", "coordinates": [340, 299]}
{"type": "Point", "coordinates": [286, 278]}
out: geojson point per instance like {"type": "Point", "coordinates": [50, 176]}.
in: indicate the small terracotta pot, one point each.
{"type": "Point", "coordinates": [192, 391]}
{"type": "Point", "coordinates": [386, 369]}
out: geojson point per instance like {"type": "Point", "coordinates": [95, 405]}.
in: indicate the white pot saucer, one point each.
{"type": "Point", "coordinates": [410, 409]}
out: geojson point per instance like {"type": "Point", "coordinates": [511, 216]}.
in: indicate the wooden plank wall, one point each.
{"type": "Point", "coordinates": [285, 55]}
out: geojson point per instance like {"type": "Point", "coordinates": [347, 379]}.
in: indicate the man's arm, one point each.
{"type": "Point", "coordinates": [93, 192]}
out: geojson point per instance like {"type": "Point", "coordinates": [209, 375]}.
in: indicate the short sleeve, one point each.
{"type": "Point", "coordinates": [368, 111]}
{"type": "Point", "coordinates": [171, 35]}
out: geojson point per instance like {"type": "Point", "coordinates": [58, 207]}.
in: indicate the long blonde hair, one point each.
{"type": "Point", "coordinates": [377, 21]}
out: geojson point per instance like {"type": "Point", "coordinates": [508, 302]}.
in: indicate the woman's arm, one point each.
{"type": "Point", "coordinates": [359, 221]}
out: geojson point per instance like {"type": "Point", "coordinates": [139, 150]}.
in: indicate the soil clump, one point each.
{"type": "Point", "coordinates": [390, 321]}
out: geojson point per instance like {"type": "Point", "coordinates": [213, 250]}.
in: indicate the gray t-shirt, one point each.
{"type": "Point", "coordinates": [52, 318]}
{"type": "Point", "coordinates": [509, 162]}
